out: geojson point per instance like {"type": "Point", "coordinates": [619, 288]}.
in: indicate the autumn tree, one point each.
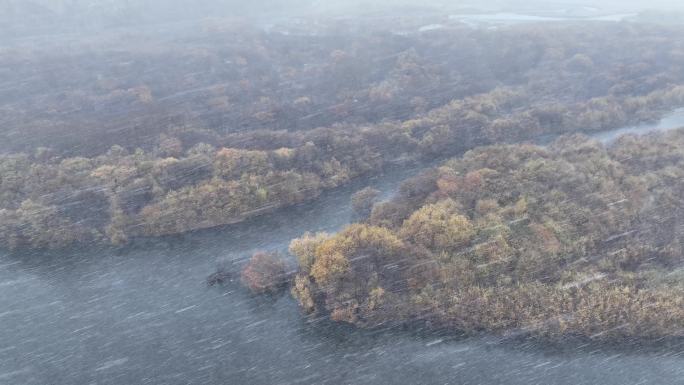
{"type": "Point", "coordinates": [363, 200]}
{"type": "Point", "coordinates": [265, 273]}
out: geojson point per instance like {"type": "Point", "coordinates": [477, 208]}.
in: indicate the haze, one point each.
{"type": "Point", "coordinates": [341, 192]}
{"type": "Point", "coordinates": [21, 18]}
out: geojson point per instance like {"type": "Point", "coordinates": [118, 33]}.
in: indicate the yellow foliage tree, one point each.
{"type": "Point", "coordinates": [438, 227]}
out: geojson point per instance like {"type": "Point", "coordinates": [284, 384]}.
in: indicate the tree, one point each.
{"type": "Point", "coordinates": [230, 163]}
{"type": "Point", "coordinates": [361, 249]}
{"type": "Point", "coordinates": [304, 248]}
{"type": "Point", "coordinates": [438, 227]}
{"type": "Point", "coordinates": [265, 273]}
{"type": "Point", "coordinates": [363, 200]}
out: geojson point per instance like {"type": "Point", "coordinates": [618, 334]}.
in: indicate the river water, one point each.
{"type": "Point", "coordinates": [514, 18]}
{"type": "Point", "coordinates": [144, 315]}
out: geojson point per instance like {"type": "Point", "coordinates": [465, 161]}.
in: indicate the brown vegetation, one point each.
{"type": "Point", "coordinates": [363, 200]}
{"type": "Point", "coordinates": [570, 239]}
{"type": "Point", "coordinates": [265, 273]}
{"type": "Point", "coordinates": [200, 151]}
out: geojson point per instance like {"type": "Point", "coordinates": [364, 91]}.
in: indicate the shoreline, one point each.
{"type": "Point", "coordinates": [391, 169]}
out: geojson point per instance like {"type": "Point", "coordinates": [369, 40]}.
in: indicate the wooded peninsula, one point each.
{"type": "Point", "coordinates": [168, 136]}
{"type": "Point", "coordinates": [571, 239]}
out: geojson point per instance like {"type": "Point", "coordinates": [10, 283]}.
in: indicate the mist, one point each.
{"type": "Point", "coordinates": [22, 18]}
{"type": "Point", "coordinates": [390, 192]}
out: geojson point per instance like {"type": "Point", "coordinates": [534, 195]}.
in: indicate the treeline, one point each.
{"type": "Point", "coordinates": [50, 202]}
{"type": "Point", "coordinates": [384, 99]}
{"type": "Point", "coordinates": [570, 239]}
{"type": "Point", "coordinates": [83, 97]}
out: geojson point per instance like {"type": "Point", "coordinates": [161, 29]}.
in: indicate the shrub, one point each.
{"type": "Point", "coordinates": [265, 273]}
{"type": "Point", "coordinates": [362, 201]}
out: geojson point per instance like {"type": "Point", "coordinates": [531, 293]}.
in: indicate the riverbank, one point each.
{"type": "Point", "coordinates": [165, 155]}
{"type": "Point", "coordinates": [144, 312]}
{"type": "Point", "coordinates": [98, 208]}
{"type": "Point", "coordinates": [572, 239]}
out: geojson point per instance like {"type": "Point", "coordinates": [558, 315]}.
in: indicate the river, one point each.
{"type": "Point", "coordinates": [144, 315]}
{"type": "Point", "coordinates": [516, 18]}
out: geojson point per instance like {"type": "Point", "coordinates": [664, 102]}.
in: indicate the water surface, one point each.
{"type": "Point", "coordinates": [515, 18]}
{"type": "Point", "coordinates": [144, 315]}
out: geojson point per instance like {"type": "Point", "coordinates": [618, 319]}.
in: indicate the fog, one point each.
{"type": "Point", "coordinates": [21, 18]}
{"type": "Point", "coordinates": [341, 192]}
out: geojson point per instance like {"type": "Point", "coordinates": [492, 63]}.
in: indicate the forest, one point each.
{"type": "Point", "coordinates": [173, 135]}
{"type": "Point", "coordinates": [571, 239]}
{"type": "Point", "coordinates": [381, 192]}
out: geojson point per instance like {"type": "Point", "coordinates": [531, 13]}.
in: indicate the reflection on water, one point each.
{"type": "Point", "coordinates": [143, 315]}
{"type": "Point", "coordinates": [673, 120]}
{"type": "Point", "coordinates": [507, 18]}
